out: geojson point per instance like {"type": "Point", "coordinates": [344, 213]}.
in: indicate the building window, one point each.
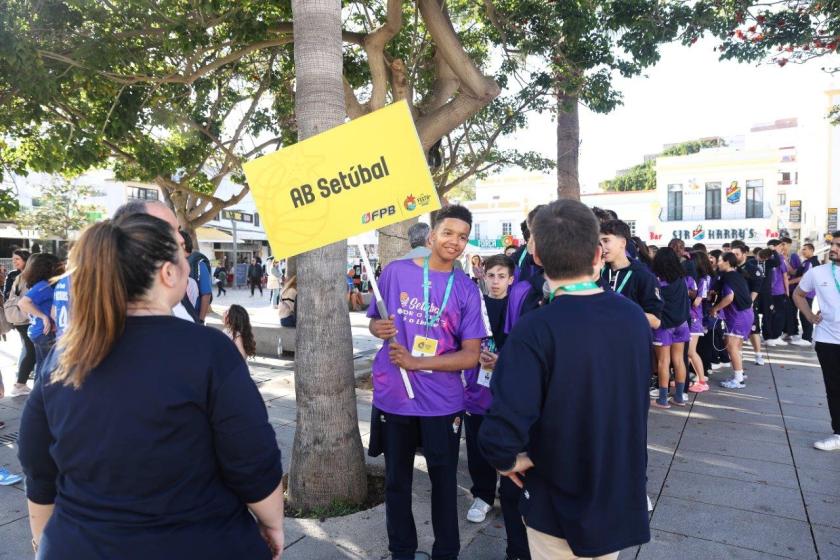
{"type": "Point", "coordinates": [257, 219]}
{"type": "Point", "coordinates": [36, 201]}
{"type": "Point", "coordinates": [506, 228]}
{"type": "Point", "coordinates": [675, 202]}
{"type": "Point", "coordinates": [477, 231]}
{"type": "Point", "coordinates": [784, 178]}
{"type": "Point", "coordinates": [632, 225]}
{"type": "Point", "coordinates": [782, 199]}
{"type": "Point", "coordinates": [755, 198]}
{"type": "Point", "coordinates": [140, 193]}
{"type": "Point", "coordinates": [713, 201]}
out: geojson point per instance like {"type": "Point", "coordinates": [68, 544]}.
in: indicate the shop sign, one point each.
{"type": "Point", "coordinates": [795, 211]}
{"type": "Point", "coordinates": [701, 233]}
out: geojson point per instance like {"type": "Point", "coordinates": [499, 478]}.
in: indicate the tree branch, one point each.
{"type": "Point", "coordinates": [447, 41]}
{"type": "Point", "coordinates": [353, 107]}
{"type": "Point", "coordinates": [374, 45]}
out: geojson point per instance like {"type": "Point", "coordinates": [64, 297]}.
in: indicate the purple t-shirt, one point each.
{"type": "Point", "coordinates": [516, 297]}
{"type": "Point", "coordinates": [438, 393]}
{"type": "Point", "coordinates": [777, 283]}
{"type": "Point", "coordinates": [702, 288]}
{"type": "Point", "coordinates": [795, 265]}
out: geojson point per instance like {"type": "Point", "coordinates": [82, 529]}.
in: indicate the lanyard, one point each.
{"type": "Point", "coordinates": [623, 282]}
{"type": "Point", "coordinates": [426, 303]}
{"type": "Point", "coordinates": [834, 275]}
{"type": "Point", "coordinates": [579, 287]}
{"type": "Point", "coordinates": [522, 257]}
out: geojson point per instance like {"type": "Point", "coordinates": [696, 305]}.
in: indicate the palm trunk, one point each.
{"type": "Point", "coordinates": [568, 146]}
{"type": "Point", "coordinates": [328, 464]}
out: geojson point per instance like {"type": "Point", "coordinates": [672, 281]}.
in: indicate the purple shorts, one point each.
{"type": "Point", "coordinates": [739, 323]}
{"type": "Point", "coordinates": [696, 326]}
{"type": "Point", "coordinates": [672, 335]}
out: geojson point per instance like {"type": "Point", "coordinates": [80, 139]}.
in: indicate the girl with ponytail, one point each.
{"type": "Point", "coordinates": [145, 436]}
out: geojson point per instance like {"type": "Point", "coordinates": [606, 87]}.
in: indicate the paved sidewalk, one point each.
{"type": "Point", "coordinates": [732, 476]}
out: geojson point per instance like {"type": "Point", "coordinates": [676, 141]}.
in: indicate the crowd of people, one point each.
{"type": "Point", "coordinates": [548, 372]}
{"type": "Point", "coordinates": [551, 377]}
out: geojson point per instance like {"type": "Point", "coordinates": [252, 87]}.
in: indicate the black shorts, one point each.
{"type": "Point", "coordinates": [756, 326]}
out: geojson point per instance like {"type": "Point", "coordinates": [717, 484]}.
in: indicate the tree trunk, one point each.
{"type": "Point", "coordinates": [568, 146]}
{"type": "Point", "coordinates": [328, 464]}
{"type": "Point", "coordinates": [393, 241]}
{"type": "Point", "coordinates": [291, 266]}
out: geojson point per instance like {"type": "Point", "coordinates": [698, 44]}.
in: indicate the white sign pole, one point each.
{"type": "Point", "coordinates": [383, 311]}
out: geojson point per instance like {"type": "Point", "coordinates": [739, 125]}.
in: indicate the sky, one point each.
{"type": "Point", "coordinates": [689, 94]}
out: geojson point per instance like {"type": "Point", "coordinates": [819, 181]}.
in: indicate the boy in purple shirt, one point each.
{"type": "Point", "coordinates": [435, 329]}
{"type": "Point", "coordinates": [794, 265]}
{"type": "Point", "coordinates": [778, 294]}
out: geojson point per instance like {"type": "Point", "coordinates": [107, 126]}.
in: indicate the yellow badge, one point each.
{"type": "Point", "coordinates": [424, 347]}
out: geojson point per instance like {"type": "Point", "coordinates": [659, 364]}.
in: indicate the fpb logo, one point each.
{"type": "Point", "coordinates": [410, 203]}
{"type": "Point", "coordinates": [368, 217]}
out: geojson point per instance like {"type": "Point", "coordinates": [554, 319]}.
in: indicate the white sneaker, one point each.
{"type": "Point", "coordinates": [759, 359]}
{"type": "Point", "coordinates": [18, 390]}
{"type": "Point", "coordinates": [732, 384]}
{"type": "Point", "coordinates": [831, 443]}
{"type": "Point", "coordinates": [716, 367]}
{"type": "Point", "coordinates": [775, 342]}
{"type": "Point", "coordinates": [725, 364]}
{"type": "Point", "coordinates": [650, 504]}
{"type": "Point", "coordinates": [799, 341]}
{"type": "Point", "coordinates": [478, 511]}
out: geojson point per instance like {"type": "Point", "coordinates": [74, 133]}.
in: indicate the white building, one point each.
{"type": "Point", "coordinates": [215, 238]}
{"type": "Point", "coordinates": [780, 178]}
{"type": "Point", "coordinates": [501, 203]}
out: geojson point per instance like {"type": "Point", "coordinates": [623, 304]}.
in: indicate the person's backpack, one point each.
{"type": "Point", "coordinates": [14, 315]}
{"type": "Point", "coordinates": [195, 258]}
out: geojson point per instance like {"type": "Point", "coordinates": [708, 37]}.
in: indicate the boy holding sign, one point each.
{"type": "Point", "coordinates": [437, 328]}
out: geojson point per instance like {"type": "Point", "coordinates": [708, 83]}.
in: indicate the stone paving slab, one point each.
{"type": "Point", "coordinates": [664, 546]}
{"type": "Point", "coordinates": [736, 431]}
{"type": "Point", "coordinates": [734, 447]}
{"type": "Point", "coordinates": [737, 468]}
{"type": "Point", "coordinates": [737, 494]}
{"type": "Point", "coordinates": [756, 531]}
{"type": "Point", "coordinates": [828, 541]}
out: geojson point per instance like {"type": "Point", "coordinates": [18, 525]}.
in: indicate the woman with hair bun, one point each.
{"type": "Point", "coordinates": [145, 436]}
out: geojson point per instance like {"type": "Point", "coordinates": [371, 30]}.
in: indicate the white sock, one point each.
{"type": "Point", "coordinates": [739, 376]}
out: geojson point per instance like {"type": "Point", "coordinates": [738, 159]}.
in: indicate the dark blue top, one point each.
{"type": "Point", "coordinates": [675, 305]}
{"type": "Point", "coordinates": [640, 286]}
{"type": "Point", "coordinates": [571, 389]}
{"type": "Point", "coordinates": [753, 273]}
{"type": "Point", "coordinates": [156, 455]}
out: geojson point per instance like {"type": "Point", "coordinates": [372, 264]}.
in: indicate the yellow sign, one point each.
{"type": "Point", "coordinates": [360, 176]}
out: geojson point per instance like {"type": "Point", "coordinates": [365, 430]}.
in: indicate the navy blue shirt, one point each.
{"type": "Point", "coordinates": [157, 453]}
{"type": "Point", "coordinates": [675, 304]}
{"type": "Point", "coordinates": [753, 273]}
{"type": "Point", "coordinates": [636, 283]}
{"type": "Point", "coordinates": [571, 389]}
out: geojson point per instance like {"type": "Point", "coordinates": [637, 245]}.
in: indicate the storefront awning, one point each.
{"type": "Point", "coordinates": [213, 235]}
{"type": "Point", "coordinates": [250, 236]}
